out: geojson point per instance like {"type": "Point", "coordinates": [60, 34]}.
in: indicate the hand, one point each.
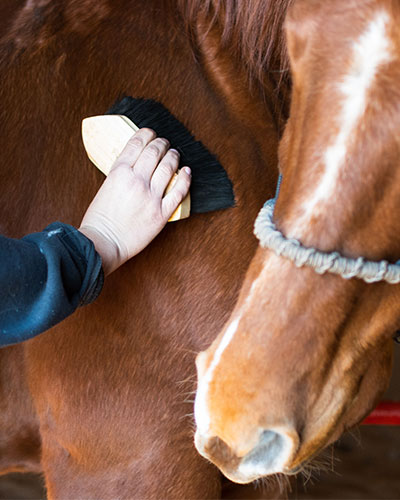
{"type": "Point", "coordinates": [130, 208]}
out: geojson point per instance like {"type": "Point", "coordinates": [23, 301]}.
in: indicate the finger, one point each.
{"type": "Point", "coordinates": [134, 147]}
{"type": "Point", "coordinates": [177, 194]}
{"type": "Point", "coordinates": [150, 157]}
{"type": "Point", "coordinates": [164, 172]}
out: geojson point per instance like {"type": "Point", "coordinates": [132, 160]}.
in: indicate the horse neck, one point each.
{"type": "Point", "coordinates": [54, 106]}
{"type": "Point", "coordinates": [252, 34]}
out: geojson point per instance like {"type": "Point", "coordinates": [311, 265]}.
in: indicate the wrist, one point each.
{"type": "Point", "coordinates": [105, 247]}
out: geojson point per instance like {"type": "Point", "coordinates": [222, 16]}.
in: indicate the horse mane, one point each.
{"type": "Point", "coordinates": [252, 29]}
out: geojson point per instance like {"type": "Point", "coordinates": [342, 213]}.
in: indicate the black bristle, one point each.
{"type": "Point", "coordinates": [211, 188]}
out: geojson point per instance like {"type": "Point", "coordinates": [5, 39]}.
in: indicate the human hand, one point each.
{"type": "Point", "coordinates": [129, 210]}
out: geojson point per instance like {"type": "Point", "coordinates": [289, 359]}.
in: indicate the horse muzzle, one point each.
{"type": "Point", "coordinates": [270, 451]}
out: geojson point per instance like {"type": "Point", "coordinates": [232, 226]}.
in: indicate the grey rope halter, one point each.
{"type": "Point", "coordinates": [322, 262]}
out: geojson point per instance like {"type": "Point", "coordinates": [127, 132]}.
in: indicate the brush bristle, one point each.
{"type": "Point", "coordinates": [211, 188]}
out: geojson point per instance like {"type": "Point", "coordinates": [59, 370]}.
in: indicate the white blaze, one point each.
{"type": "Point", "coordinates": [370, 51]}
{"type": "Point", "coordinates": [273, 265]}
{"type": "Point", "coordinates": [200, 406]}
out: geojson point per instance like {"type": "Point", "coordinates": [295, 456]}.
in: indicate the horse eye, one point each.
{"type": "Point", "coordinates": [396, 337]}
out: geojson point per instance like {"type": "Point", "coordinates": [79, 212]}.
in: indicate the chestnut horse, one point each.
{"type": "Point", "coordinates": [98, 404]}
{"type": "Point", "coordinates": [305, 356]}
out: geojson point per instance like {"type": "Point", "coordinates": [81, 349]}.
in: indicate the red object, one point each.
{"type": "Point", "coordinates": [386, 413]}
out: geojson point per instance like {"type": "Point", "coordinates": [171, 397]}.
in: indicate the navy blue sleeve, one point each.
{"type": "Point", "coordinates": [44, 277]}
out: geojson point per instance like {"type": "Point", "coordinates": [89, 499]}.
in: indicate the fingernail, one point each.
{"type": "Point", "coordinates": [174, 150]}
{"type": "Point", "coordinates": [187, 170]}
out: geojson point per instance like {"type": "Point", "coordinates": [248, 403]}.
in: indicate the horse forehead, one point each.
{"type": "Point", "coordinates": [329, 29]}
{"type": "Point", "coordinates": [352, 11]}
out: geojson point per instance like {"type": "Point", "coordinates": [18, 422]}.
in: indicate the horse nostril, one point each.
{"type": "Point", "coordinates": [273, 453]}
{"type": "Point", "coordinates": [215, 449]}
{"type": "Point", "coordinates": [267, 450]}
{"type": "Point", "coordinates": [271, 440]}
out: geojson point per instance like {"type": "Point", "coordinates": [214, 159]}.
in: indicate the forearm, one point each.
{"type": "Point", "coordinates": [44, 277]}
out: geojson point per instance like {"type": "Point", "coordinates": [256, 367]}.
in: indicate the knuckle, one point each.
{"type": "Point", "coordinates": [183, 189]}
{"type": "Point", "coordinates": [148, 132]}
{"type": "Point", "coordinates": [135, 142]}
{"type": "Point", "coordinates": [140, 185]}
{"type": "Point", "coordinates": [153, 151]}
{"type": "Point", "coordinates": [156, 216]}
{"type": "Point", "coordinates": [178, 196]}
{"type": "Point", "coordinates": [167, 168]}
{"type": "Point", "coordinates": [120, 167]}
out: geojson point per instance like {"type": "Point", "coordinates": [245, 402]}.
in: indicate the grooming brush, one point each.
{"type": "Point", "coordinates": [105, 136]}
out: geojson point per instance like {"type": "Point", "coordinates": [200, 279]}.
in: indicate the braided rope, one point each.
{"type": "Point", "coordinates": [321, 262]}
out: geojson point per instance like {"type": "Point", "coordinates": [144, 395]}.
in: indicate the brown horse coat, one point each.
{"type": "Point", "coordinates": [98, 404]}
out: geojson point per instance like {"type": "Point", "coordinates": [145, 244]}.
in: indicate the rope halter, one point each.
{"type": "Point", "coordinates": [322, 262]}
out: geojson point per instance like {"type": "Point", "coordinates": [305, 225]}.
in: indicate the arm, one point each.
{"type": "Point", "coordinates": [45, 276]}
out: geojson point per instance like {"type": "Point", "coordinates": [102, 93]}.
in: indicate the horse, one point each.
{"type": "Point", "coordinates": [305, 355]}
{"type": "Point", "coordinates": [101, 405]}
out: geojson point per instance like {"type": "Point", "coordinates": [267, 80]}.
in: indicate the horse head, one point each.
{"type": "Point", "coordinates": [305, 356]}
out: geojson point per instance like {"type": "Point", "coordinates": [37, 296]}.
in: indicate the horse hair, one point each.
{"type": "Point", "coordinates": [251, 29]}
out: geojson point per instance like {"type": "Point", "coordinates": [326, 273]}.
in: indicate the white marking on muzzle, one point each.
{"type": "Point", "coordinates": [200, 407]}
{"type": "Point", "coordinates": [370, 51]}
{"type": "Point", "coordinates": [272, 265]}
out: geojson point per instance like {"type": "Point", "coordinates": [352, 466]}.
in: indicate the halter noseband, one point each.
{"type": "Point", "coordinates": [322, 262]}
